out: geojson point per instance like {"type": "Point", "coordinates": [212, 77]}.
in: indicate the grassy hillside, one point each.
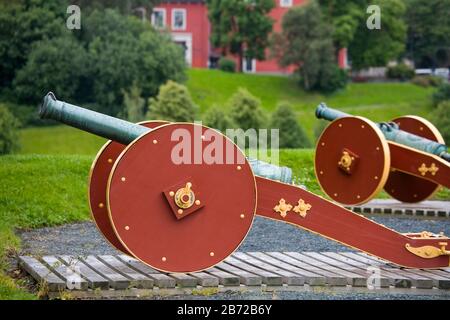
{"type": "Point", "coordinates": [377, 101]}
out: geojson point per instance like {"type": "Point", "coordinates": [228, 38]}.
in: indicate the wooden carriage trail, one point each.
{"type": "Point", "coordinates": [107, 276]}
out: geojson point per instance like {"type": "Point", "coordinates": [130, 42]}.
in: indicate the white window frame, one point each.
{"type": "Point", "coordinates": [253, 66]}
{"type": "Point", "coordinates": [286, 3]}
{"type": "Point", "coordinates": [164, 15]}
{"type": "Point", "coordinates": [184, 12]}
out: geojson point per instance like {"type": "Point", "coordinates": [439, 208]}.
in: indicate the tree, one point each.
{"type": "Point", "coordinates": [428, 32]}
{"type": "Point", "coordinates": [173, 103]}
{"type": "Point", "coordinates": [366, 47]}
{"type": "Point", "coordinates": [377, 47]}
{"type": "Point", "coordinates": [123, 51]}
{"type": "Point", "coordinates": [291, 134]}
{"type": "Point", "coordinates": [346, 16]}
{"type": "Point", "coordinates": [241, 27]}
{"type": "Point", "coordinates": [218, 119]}
{"type": "Point", "coordinates": [246, 110]}
{"type": "Point", "coordinates": [58, 64]}
{"type": "Point", "coordinates": [22, 23]}
{"type": "Point", "coordinates": [305, 42]}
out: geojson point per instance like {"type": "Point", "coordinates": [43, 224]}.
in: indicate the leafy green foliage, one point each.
{"type": "Point", "coordinates": [442, 94]}
{"type": "Point", "coordinates": [377, 47]}
{"type": "Point", "coordinates": [8, 131]}
{"type": "Point", "coordinates": [58, 64]}
{"type": "Point", "coordinates": [441, 118]}
{"type": "Point", "coordinates": [246, 110]}
{"type": "Point", "coordinates": [428, 32]}
{"type": "Point", "coordinates": [427, 81]}
{"type": "Point", "coordinates": [306, 43]}
{"type": "Point", "coordinates": [346, 16]}
{"type": "Point", "coordinates": [227, 65]}
{"type": "Point", "coordinates": [22, 23]}
{"type": "Point", "coordinates": [400, 71]}
{"type": "Point", "coordinates": [173, 103]}
{"type": "Point", "coordinates": [135, 55]}
{"type": "Point", "coordinates": [238, 24]}
{"type": "Point", "coordinates": [218, 119]}
{"type": "Point", "coordinates": [291, 134]}
{"type": "Point", "coordinates": [134, 104]}
{"type": "Point", "coordinates": [91, 66]}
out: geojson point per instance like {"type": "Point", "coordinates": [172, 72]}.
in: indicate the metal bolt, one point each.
{"type": "Point", "coordinates": [171, 193]}
{"type": "Point", "coordinates": [123, 179]}
{"type": "Point", "coordinates": [110, 160]}
{"type": "Point", "coordinates": [155, 141]}
{"type": "Point", "coordinates": [101, 205]}
{"type": "Point", "coordinates": [197, 202]}
{"type": "Point", "coordinates": [211, 254]}
{"type": "Point", "coordinates": [239, 167]}
{"type": "Point", "coordinates": [127, 228]}
{"type": "Point", "coordinates": [164, 259]}
{"type": "Point", "coordinates": [180, 211]}
{"type": "Point", "coordinates": [242, 216]}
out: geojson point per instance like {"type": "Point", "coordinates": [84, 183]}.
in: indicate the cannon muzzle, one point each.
{"type": "Point", "coordinates": [125, 132]}
{"type": "Point", "coordinates": [391, 132]}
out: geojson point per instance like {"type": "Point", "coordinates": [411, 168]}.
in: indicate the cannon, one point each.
{"type": "Point", "coordinates": [181, 197]}
{"type": "Point", "coordinates": [356, 158]}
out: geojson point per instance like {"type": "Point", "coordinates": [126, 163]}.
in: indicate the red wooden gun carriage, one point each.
{"type": "Point", "coordinates": [185, 217]}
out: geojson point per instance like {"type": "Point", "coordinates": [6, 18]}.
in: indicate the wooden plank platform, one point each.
{"type": "Point", "coordinates": [428, 209]}
{"type": "Point", "coordinates": [123, 276]}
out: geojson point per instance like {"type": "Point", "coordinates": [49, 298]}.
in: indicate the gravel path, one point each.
{"type": "Point", "coordinates": [265, 235]}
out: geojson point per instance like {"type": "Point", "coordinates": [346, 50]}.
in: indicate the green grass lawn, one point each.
{"type": "Point", "coordinates": [377, 101]}
{"type": "Point", "coordinates": [38, 191]}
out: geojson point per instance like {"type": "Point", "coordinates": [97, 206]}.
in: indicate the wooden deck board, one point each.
{"type": "Point", "coordinates": [241, 271]}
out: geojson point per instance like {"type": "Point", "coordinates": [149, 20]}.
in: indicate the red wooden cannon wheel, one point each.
{"type": "Point", "coordinates": [141, 200]}
{"type": "Point", "coordinates": [98, 180]}
{"type": "Point", "coordinates": [365, 144]}
{"type": "Point", "coordinates": [405, 187]}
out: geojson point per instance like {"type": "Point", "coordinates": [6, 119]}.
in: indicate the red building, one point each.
{"type": "Point", "coordinates": [187, 21]}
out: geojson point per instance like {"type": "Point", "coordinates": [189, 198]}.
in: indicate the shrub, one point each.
{"type": "Point", "coordinates": [173, 103]}
{"type": "Point", "coordinates": [291, 134]}
{"type": "Point", "coordinates": [246, 110]}
{"type": "Point", "coordinates": [442, 94]}
{"type": "Point", "coordinates": [227, 65]}
{"type": "Point", "coordinates": [426, 81]}
{"type": "Point", "coordinates": [435, 81]}
{"type": "Point", "coordinates": [332, 79]}
{"type": "Point", "coordinates": [8, 131]}
{"type": "Point", "coordinates": [216, 118]}
{"type": "Point", "coordinates": [400, 71]}
{"type": "Point", "coordinates": [441, 118]}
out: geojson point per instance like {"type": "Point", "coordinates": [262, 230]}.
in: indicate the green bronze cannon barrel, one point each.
{"type": "Point", "coordinates": [392, 133]}
{"type": "Point", "coordinates": [125, 132]}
